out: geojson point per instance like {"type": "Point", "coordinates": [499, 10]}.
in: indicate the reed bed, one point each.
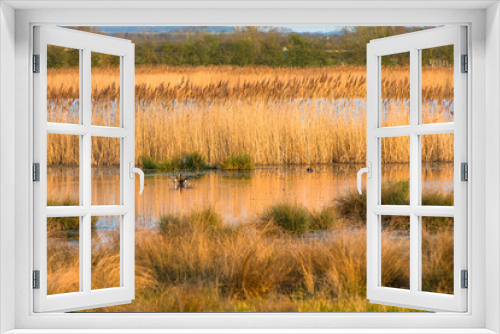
{"type": "Point", "coordinates": [279, 115]}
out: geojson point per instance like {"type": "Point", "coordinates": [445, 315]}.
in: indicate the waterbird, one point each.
{"type": "Point", "coordinates": [181, 179]}
{"type": "Point", "coordinates": [309, 170]}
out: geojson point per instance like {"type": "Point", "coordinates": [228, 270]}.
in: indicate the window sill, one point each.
{"type": "Point", "coordinates": [250, 331]}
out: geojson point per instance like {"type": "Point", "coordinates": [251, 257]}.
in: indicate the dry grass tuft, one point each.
{"type": "Point", "coordinates": [194, 264]}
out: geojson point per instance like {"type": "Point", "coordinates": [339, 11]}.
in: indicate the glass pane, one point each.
{"type": "Point", "coordinates": [105, 77]}
{"type": "Point", "coordinates": [395, 238]}
{"type": "Point", "coordinates": [437, 254]}
{"type": "Point", "coordinates": [63, 171]}
{"type": "Point", "coordinates": [437, 169]}
{"type": "Point", "coordinates": [63, 84]}
{"type": "Point", "coordinates": [106, 252]}
{"type": "Point", "coordinates": [63, 255]}
{"type": "Point", "coordinates": [437, 85]}
{"type": "Point", "coordinates": [105, 171]}
{"type": "Point", "coordinates": [395, 168]}
{"type": "Point", "coordinates": [395, 89]}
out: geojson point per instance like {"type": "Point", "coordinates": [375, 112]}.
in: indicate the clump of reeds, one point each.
{"type": "Point", "coordinates": [207, 218]}
{"type": "Point", "coordinates": [299, 220]}
{"type": "Point", "coordinates": [323, 219]}
{"type": "Point", "coordinates": [238, 161]}
{"type": "Point", "coordinates": [291, 218]}
{"type": "Point", "coordinates": [187, 161]}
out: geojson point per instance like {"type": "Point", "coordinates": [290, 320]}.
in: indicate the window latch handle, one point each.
{"type": "Point", "coordinates": [368, 171]}
{"type": "Point", "coordinates": [134, 170]}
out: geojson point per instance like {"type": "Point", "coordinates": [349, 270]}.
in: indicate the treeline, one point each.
{"type": "Point", "coordinates": [253, 46]}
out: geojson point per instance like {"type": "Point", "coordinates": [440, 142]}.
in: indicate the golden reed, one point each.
{"type": "Point", "coordinates": [278, 115]}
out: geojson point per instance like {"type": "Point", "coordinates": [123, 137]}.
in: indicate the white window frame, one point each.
{"type": "Point", "coordinates": [484, 49]}
{"type": "Point", "coordinates": [414, 43]}
{"type": "Point", "coordinates": [85, 43]}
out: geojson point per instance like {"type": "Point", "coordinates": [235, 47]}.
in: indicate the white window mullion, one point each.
{"type": "Point", "coordinates": [393, 131]}
{"type": "Point", "coordinates": [85, 165]}
{"type": "Point", "coordinates": [67, 129]}
{"type": "Point", "coordinates": [373, 183]}
{"type": "Point", "coordinates": [420, 129]}
{"type": "Point", "coordinates": [414, 171]}
{"type": "Point", "coordinates": [82, 200]}
{"type": "Point", "coordinates": [433, 129]}
{"type": "Point", "coordinates": [421, 210]}
{"type": "Point", "coordinates": [78, 129]}
{"type": "Point", "coordinates": [127, 234]}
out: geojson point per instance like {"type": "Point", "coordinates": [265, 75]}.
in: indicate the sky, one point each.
{"type": "Point", "coordinates": [298, 29]}
{"type": "Point", "coordinates": [314, 28]}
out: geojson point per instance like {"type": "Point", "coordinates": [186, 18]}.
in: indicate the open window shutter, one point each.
{"type": "Point", "coordinates": [84, 213]}
{"type": "Point", "coordinates": [417, 294]}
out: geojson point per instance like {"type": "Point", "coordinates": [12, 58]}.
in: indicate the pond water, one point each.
{"type": "Point", "coordinates": [239, 196]}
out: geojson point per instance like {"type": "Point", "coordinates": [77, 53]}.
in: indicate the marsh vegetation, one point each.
{"type": "Point", "coordinates": [269, 221]}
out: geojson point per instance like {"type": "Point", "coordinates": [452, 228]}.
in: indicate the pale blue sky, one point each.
{"type": "Point", "coordinates": [299, 29]}
{"type": "Point", "coordinates": [315, 28]}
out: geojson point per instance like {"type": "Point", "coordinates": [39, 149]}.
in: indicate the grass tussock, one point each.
{"type": "Point", "coordinates": [291, 218]}
{"type": "Point", "coordinates": [205, 219]}
{"type": "Point", "coordinates": [187, 161]}
{"type": "Point", "coordinates": [67, 227]}
{"type": "Point", "coordinates": [194, 263]}
{"type": "Point", "coordinates": [281, 116]}
{"type": "Point", "coordinates": [298, 220]}
{"type": "Point", "coordinates": [352, 206]}
{"type": "Point", "coordinates": [238, 161]}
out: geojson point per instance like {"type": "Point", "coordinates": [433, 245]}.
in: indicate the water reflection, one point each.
{"type": "Point", "coordinates": [236, 195]}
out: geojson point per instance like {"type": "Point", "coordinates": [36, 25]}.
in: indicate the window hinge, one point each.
{"type": "Point", "coordinates": [465, 64]}
{"type": "Point", "coordinates": [36, 172]}
{"type": "Point", "coordinates": [36, 63]}
{"type": "Point", "coordinates": [464, 172]}
{"type": "Point", "coordinates": [36, 279]}
{"type": "Point", "coordinates": [465, 279]}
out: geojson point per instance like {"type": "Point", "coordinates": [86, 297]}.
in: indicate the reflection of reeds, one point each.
{"type": "Point", "coordinates": [286, 115]}
{"type": "Point", "coordinates": [193, 265]}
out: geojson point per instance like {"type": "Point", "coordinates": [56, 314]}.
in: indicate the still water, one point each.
{"type": "Point", "coordinates": [239, 196]}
